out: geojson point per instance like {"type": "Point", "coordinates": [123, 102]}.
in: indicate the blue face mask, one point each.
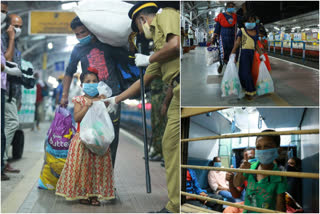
{"type": "Point", "coordinates": [264, 37]}
{"type": "Point", "coordinates": [85, 40]}
{"type": "Point", "coordinates": [230, 10]}
{"type": "Point", "coordinates": [257, 21]}
{"type": "Point", "coordinates": [250, 26]}
{"type": "Point", "coordinates": [267, 156]}
{"type": "Point", "coordinates": [217, 164]}
{"type": "Point", "coordinates": [90, 89]}
{"type": "Point", "coordinates": [252, 160]}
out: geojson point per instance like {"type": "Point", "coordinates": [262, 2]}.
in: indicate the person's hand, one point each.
{"type": "Point", "coordinates": [203, 194]}
{"type": "Point", "coordinates": [113, 106]}
{"type": "Point", "coordinates": [15, 71]}
{"type": "Point", "coordinates": [102, 97]}
{"type": "Point", "coordinates": [164, 109]}
{"type": "Point", "coordinates": [263, 58]}
{"type": "Point", "coordinates": [10, 31]}
{"type": "Point", "coordinates": [64, 101]}
{"type": "Point", "coordinates": [142, 60]}
{"type": "Point", "coordinates": [229, 176]}
{"type": "Point", "coordinates": [245, 164]}
{"type": "Point", "coordinates": [89, 102]}
{"type": "Point", "coordinates": [190, 198]}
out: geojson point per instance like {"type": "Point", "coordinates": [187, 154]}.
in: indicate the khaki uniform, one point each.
{"type": "Point", "coordinates": [164, 23]}
{"type": "Point", "coordinates": [158, 123]}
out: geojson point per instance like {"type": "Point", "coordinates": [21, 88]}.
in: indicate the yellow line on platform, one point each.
{"type": "Point", "coordinates": [278, 100]}
{"type": "Point", "coordinates": [15, 199]}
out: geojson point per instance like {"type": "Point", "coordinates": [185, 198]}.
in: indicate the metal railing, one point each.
{"type": "Point", "coordinates": [185, 124]}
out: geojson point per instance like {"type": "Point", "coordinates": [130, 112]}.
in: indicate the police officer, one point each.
{"type": "Point", "coordinates": [163, 27]}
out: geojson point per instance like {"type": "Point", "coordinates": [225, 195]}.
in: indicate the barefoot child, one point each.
{"type": "Point", "coordinates": [86, 176]}
{"type": "Point", "coordinates": [264, 191]}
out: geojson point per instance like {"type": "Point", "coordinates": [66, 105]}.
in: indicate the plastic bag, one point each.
{"type": "Point", "coordinates": [212, 55]}
{"type": "Point", "coordinates": [230, 84]}
{"type": "Point", "coordinates": [104, 89]}
{"type": "Point", "coordinates": [96, 129]}
{"type": "Point", "coordinates": [57, 144]}
{"type": "Point", "coordinates": [107, 20]}
{"type": "Point", "coordinates": [264, 82]}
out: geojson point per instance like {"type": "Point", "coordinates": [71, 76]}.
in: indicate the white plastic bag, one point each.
{"type": "Point", "coordinates": [107, 20]}
{"type": "Point", "coordinates": [212, 55]}
{"type": "Point", "coordinates": [104, 89]}
{"type": "Point", "coordinates": [264, 82]}
{"type": "Point", "coordinates": [230, 84]}
{"type": "Point", "coordinates": [96, 129]}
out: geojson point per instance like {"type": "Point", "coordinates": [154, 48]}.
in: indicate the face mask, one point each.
{"type": "Point", "coordinates": [85, 40]}
{"type": "Point", "coordinates": [257, 21]}
{"type": "Point", "coordinates": [3, 17]}
{"type": "Point", "coordinates": [18, 32]}
{"type": "Point", "coordinates": [291, 169]}
{"type": "Point", "coordinates": [267, 156]}
{"type": "Point", "coordinates": [146, 30]}
{"type": "Point", "coordinates": [217, 164]}
{"type": "Point", "coordinates": [250, 26]}
{"type": "Point", "coordinates": [90, 89]}
{"type": "Point", "coordinates": [75, 81]}
{"type": "Point", "coordinates": [252, 160]}
{"type": "Point", "coordinates": [230, 10]}
{"type": "Point", "coordinates": [264, 37]}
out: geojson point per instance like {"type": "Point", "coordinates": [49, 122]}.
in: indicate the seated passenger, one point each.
{"type": "Point", "coordinates": [218, 183]}
{"type": "Point", "coordinates": [294, 184]}
{"type": "Point", "coordinates": [193, 187]}
{"type": "Point", "coordinates": [264, 191]}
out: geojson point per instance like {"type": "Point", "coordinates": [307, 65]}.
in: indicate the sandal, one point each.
{"type": "Point", "coordinates": [94, 201]}
{"type": "Point", "coordinates": [85, 201]}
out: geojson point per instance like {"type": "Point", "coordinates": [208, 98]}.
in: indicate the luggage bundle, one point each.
{"type": "Point", "coordinates": [212, 54]}
{"type": "Point", "coordinates": [57, 144]}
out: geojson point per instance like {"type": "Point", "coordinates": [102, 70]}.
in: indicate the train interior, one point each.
{"type": "Point", "coordinates": [252, 120]}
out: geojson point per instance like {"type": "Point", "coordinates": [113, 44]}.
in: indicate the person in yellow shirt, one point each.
{"type": "Point", "coordinates": [163, 27]}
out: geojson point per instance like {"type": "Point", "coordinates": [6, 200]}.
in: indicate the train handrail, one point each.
{"type": "Point", "coordinates": [189, 112]}
{"type": "Point", "coordinates": [292, 132]}
{"type": "Point", "coordinates": [253, 171]}
{"type": "Point", "coordinates": [250, 208]}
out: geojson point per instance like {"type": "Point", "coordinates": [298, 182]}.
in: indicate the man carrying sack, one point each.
{"type": "Point", "coordinates": [163, 27]}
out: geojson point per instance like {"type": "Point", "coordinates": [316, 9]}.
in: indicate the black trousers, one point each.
{"type": "Point", "coordinates": [191, 42]}
{"type": "Point", "coordinates": [116, 125]}
{"type": "Point", "coordinates": [3, 136]}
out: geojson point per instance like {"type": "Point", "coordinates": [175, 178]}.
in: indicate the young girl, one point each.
{"type": "Point", "coordinates": [263, 44]}
{"type": "Point", "coordinates": [86, 176]}
{"type": "Point", "coordinates": [247, 37]}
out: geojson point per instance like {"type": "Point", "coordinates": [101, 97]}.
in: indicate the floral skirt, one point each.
{"type": "Point", "coordinates": [86, 174]}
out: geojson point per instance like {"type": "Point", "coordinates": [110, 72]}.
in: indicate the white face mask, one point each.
{"type": "Point", "coordinates": [146, 30]}
{"type": "Point", "coordinates": [3, 17]}
{"type": "Point", "coordinates": [18, 32]}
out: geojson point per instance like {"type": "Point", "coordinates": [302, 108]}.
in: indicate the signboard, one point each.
{"type": "Point", "coordinates": [59, 66]}
{"type": "Point", "coordinates": [50, 22]}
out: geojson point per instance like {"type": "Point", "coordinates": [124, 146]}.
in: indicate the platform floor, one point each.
{"type": "Point", "coordinates": [20, 194]}
{"type": "Point", "coordinates": [295, 85]}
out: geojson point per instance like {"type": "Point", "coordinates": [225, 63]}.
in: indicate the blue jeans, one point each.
{"type": "Point", "coordinates": [227, 195]}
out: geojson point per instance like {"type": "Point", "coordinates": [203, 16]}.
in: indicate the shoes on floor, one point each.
{"type": "Point", "coordinates": [4, 177]}
{"type": "Point", "coordinates": [8, 168]}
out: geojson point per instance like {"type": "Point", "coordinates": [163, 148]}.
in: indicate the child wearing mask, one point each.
{"type": "Point", "coordinates": [218, 183]}
{"type": "Point", "coordinates": [263, 44]}
{"type": "Point", "coordinates": [247, 38]}
{"type": "Point", "coordinates": [264, 191]}
{"type": "Point", "coordinates": [86, 176]}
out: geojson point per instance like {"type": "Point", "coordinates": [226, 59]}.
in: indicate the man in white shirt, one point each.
{"type": "Point", "coordinates": [190, 35]}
